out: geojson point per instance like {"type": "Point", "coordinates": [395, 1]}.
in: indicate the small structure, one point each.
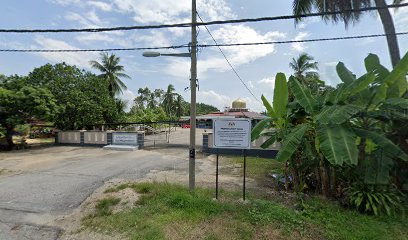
{"type": "Point", "coordinates": [238, 109]}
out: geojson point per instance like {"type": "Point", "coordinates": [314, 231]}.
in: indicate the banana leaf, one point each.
{"type": "Point", "coordinates": [337, 114]}
{"type": "Point", "coordinates": [291, 142]}
{"type": "Point", "coordinates": [338, 144]}
{"type": "Point", "coordinates": [388, 146]}
{"type": "Point", "coordinates": [302, 95]}
{"type": "Point", "coordinates": [345, 75]}
{"type": "Point", "coordinates": [280, 95]}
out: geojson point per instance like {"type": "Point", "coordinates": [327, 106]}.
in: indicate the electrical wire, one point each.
{"type": "Point", "coordinates": [183, 25]}
{"type": "Point", "coordinates": [229, 63]}
{"type": "Point", "coordinates": [206, 45]}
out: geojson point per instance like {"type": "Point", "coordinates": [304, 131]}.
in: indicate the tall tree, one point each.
{"type": "Point", "coordinates": [168, 101]}
{"type": "Point", "coordinates": [111, 72]}
{"type": "Point", "coordinates": [20, 103]}
{"type": "Point", "coordinates": [306, 6]}
{"type": "Point", "coordinates": [83, 98]}
{"type": "Point", "coordinates": [305, 69]}
{"type": "Point", "coordinates": [179, 106]}
{"type": "Point", "coordinates": [304, 66]}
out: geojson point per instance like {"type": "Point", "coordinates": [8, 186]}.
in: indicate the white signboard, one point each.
{"type": "Point", "coordinates": [124, 138]}
{"type": "Point", "coordinates": [232, 133]}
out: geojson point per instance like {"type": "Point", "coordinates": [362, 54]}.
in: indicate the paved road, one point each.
{"type": "Point", "coordinates": [56, 180]}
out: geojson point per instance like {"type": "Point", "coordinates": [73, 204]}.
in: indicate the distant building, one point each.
{"type": "Point", "coordinates": [237, 110]}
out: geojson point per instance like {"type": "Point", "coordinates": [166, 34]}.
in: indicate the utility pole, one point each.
{"type": "Point", "coordinates": [193, 86]}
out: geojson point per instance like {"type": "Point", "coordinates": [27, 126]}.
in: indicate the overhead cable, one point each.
{"type": "Point", "coordinates": [229, 63]}
{"type": "Point", "coordinates": [183, 25]}
{"type": "Point", "coordinates": [206, 45]}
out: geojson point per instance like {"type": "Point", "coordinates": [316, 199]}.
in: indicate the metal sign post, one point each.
{"type": "Point", "coordinates": [216, 178]}
{"type": "Point", "coordinates": [243, 188]}
{"type": "Point", "coordinates": [231, 134]}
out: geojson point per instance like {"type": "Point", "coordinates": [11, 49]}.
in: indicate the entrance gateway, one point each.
{"type": "Point", "coordinates": [232, 134]}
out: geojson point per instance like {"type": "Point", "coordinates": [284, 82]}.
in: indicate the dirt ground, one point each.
{"type": "Point", "coordinates": [70, 223]}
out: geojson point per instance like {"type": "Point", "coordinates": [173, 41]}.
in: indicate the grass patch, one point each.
{"type": "Point", "coordinates": [257, 167]}
{"type": "Point", "coordinates": [118, 188]}
{"type": "Point", "coordinates": [167, 211]}
{"type": "Point", "coordinates": [103, 207]}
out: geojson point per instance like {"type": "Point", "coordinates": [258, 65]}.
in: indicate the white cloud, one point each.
{"type": "Point", "coordinates": [308, 21]}
{"type": "Point", "coordinates": [236, 55]}
{"type": "Point", "coordinates": [153, 39]}
{"type": "Point", "coordinates": [300, 47]}
{"type": "Point", "coordinates": [268, 81]}
{"type": "Point", "coordinates": [93, 37]}
{"type": "Point", "coordinates": [89, 19]}
{"type": "Point", "coordinates": [79, 59]}
{"type": "Point", "coordinates": [159, 11]}
{"type": "Point", "coordinates": [401, 19]}
{"type": "Point", "coordinates": [250, 84]}
{"type": "Point", "coordinates": [128, 96]}
{"type": "Point", "coordinates": [106, 7]}
{"type": "Point", "coordinates": [66, 2]}
{"type": "Point", "coordinates": [213, 98]}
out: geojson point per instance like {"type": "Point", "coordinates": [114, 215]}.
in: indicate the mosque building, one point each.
{"type": "Point", "coordinates": [238, 109]}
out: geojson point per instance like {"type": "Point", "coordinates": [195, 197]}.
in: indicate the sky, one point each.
{"type": "Point", "coordinates": [218, 85]}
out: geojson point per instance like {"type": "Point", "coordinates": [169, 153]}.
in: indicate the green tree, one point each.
{"type": "Point", "coordinates": [21, 102]}
{"type": "Point", "coordinates": [306, 6]}
{"type": "Point", "coordinates": [179, 106]}
{"type": "Point", "coordinates": [306, 71]}
{"type": "Point", "coordinates": [111, 72]}
{"type": "Point", "coordinates": [203, 109]}
{"type": "Point", "coordinates": [304, 66]}
{"type": "Point", "coordinates": [82, 97]}
{"type": "Point", "coordinates": [168, 100]}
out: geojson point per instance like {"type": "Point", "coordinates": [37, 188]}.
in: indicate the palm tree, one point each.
{"type": "Point", "coordinates": [305, 71]}
{"type": "Point", "coordinates": [168, 101]}
{"type": "Point", "coordinates": [179, 105]}
{"type": "Point", "coordinates": [304, 66]}
{"type": "Point", "coordinates": [111, 72]}
{"type": "Point", "coordinates": [306, 6]}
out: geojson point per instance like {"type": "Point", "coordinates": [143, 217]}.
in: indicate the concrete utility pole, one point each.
{"type": "Point", "coordinates": [193, 86]}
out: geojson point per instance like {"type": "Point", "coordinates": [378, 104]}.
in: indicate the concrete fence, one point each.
{"type": "Point", "coordinates": [97, 138]}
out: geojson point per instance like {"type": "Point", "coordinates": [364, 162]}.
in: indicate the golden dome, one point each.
{"type": "Point", "coordinates": [239, 103]}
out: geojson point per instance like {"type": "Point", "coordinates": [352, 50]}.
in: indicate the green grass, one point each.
{"type": "Point", "coordinates": [257, 167]}
{"type": "Point", "coordinates": [103, 207]}
{"type": "Point", "coordinates": [171, 211]}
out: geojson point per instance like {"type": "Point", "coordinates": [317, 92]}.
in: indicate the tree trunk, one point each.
{"type": "Point", "coordinates": [389, 29]}
{"type": "Point", "coordinates": [9, 137]}
{"type": "Point", "coordinates": [286, 177]}
{"type": "Point", "coordinates": [324, 173]}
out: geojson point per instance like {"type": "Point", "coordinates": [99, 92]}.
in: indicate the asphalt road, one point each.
{"type": "Point", "coordinates": [46, 182]}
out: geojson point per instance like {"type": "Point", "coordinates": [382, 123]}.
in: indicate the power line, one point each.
{"type": "Point", "coordinates": [94, 50]}
{"type": "Point", "coordinates": [304, 41]}
{"type": "Point", "coordinates": [206, 45]}
{"type": "Point", "coordinates": [229, 63]}
{"type": "Point", "coordinates": [183, 25]}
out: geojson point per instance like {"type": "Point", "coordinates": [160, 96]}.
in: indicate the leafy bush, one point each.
{"type": "Point", "coordinates": [374, 199]}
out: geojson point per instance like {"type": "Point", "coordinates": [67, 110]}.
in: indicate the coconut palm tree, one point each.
{"type": "Point", "coordinates": [111, 72]}
{"type": "Point", "coordinates": [179, 105]}
{"type": "Point", "coordinates": [306, 6]}
{"type": "Point", "coordinates": [305, 71]}
{"type": "Point", "coordinates": [168, 100]}
{"type": "Point", "coordinates": [304, 66]}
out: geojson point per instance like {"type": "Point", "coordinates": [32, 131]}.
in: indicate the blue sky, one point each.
{"type": "Point", "coordinates": [257, 65]}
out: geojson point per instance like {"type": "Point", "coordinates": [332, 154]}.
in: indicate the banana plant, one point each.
{"type": "Point", "coordinates": [333, 121]}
